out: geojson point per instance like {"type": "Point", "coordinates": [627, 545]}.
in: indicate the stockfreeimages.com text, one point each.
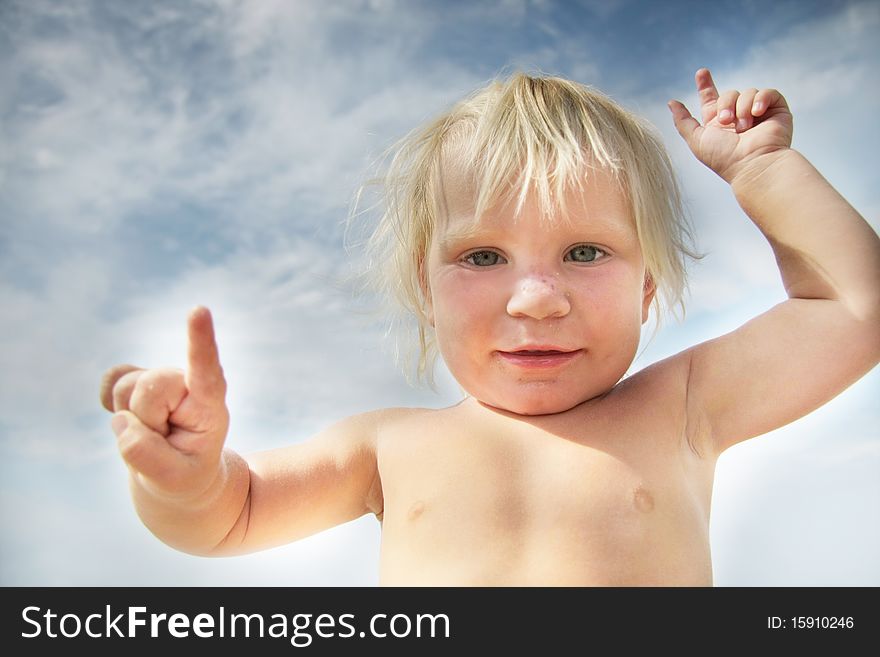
{"type": "Point", "coordinates": [300, 629]}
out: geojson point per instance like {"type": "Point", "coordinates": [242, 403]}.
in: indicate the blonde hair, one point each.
{"type": "Point", "coordinates": [516, 136]}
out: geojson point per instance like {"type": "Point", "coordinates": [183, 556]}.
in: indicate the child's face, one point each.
{"type": "Point", "coordinates": [535, 316]}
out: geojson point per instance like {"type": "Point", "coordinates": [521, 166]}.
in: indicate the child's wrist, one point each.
{"type": "Point", "coordinates": [760, 172]}
{"type": "Point", "coordinates": [199, 496]}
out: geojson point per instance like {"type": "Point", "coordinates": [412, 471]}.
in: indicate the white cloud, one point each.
{"type": "Point", "coordinates": [257, 115]}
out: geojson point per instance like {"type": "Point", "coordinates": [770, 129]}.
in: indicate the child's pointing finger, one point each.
{"type": "Point", "coordinates": [204, 377]}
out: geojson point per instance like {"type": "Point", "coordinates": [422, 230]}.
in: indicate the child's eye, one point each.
{"type": "Point", "coordinates": [585, 253]}
{"type": "Point", "coordinates": [483, 258]}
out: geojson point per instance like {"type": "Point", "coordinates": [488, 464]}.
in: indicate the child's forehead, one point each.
{"type": "Point", "coordinates": [455, 193]}
{"type": "Point", "coordinates": [599, 195]}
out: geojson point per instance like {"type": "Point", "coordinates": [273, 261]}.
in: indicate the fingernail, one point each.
{"type": "Point", "coordinates": [758, 107]}
{"type": "Point", "coordinates": [118, 424]}
{"type": "Point", "coordinates": [725, 116]}
{"type": "Point", "coordinates": [742, 124]}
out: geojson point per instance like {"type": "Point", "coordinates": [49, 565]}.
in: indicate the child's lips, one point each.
{"type": "Point", "coordinates": [539, 358]}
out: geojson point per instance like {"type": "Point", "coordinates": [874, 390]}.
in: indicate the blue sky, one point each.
{"type": "Point", "coordinates": [158, 155]}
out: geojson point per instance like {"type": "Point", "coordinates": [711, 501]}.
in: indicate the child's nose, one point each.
{"type": "Point", "coordinates": [539, 297]}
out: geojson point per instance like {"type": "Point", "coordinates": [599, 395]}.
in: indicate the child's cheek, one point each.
{"type": "Point", "coordinates": [611, 297]}
{"type": "Point", "coordinates": [465, 292]}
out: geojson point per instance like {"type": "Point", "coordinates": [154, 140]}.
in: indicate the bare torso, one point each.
{"type": "Point", "coordinates": [608, 493]}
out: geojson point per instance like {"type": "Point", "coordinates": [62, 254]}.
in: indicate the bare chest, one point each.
{"type": "Point", "coordinates": [520, 503]}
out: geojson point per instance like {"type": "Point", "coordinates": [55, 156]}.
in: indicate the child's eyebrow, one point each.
{"type": "Point", "coordinates": [452, 236]}
{"type": "Point", "coordinates": [600, 227]}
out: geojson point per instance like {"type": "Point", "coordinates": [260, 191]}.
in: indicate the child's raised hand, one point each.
{"type": "Point", "coordinates": [171, 425]}
{"type": "Point", "coordinates": [738, 129]}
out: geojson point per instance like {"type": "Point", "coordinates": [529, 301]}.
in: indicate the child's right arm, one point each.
{"type": "Point", "coordinates": [799, 354]}
{"type": "Point", "coordinates": [197, 497]}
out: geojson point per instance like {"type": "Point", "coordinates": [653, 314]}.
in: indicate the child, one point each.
{"type": "Point", "coordinates": [530, 230]}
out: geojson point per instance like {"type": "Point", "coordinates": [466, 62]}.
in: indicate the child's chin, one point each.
{"type": "Point", "coordinates": [535, 405]}
{"type": "Point", "coordinates": [550, 409]}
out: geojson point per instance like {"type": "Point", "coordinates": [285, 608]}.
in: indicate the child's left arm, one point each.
{"type": "Point", "coordinates": [801, 353]}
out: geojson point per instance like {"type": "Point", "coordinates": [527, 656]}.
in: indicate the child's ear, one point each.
{"type": "Point", "coordinates": [649, 290]}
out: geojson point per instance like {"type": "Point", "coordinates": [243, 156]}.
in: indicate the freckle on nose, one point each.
{"type": "Point", "coordinates": [537, 283]}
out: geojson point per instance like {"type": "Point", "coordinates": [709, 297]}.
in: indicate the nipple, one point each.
{"type": "Point", "coordinates": [643, 500]}
{"type": "Point", "coordinates": [415, 510]}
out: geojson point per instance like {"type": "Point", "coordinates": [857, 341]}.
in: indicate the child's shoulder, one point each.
{"type": "Point", "coordinates": [371, 424]}
{"type": "Point", "coordinates": [662, 392]}
{"type": "Point", "coordinates": [661, 382]}
{"type": "Point", "coordinates": [657, 395]}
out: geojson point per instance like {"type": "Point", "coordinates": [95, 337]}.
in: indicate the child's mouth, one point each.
{"type": "Point", "coordinates": [539, 358]}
